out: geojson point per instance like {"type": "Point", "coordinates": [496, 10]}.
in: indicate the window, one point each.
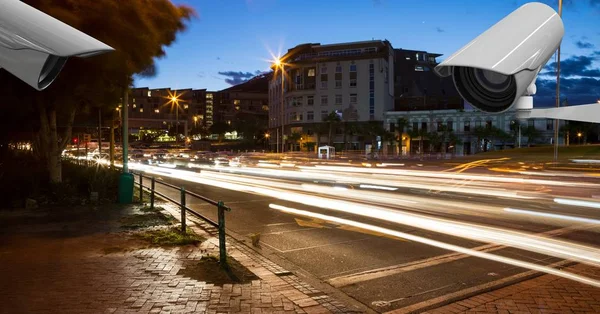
{"type": "Point", "coordinates": [141, 109]}
{"type": "Point", "coordinates": [311, 72]}
{"type": "Point", "coordinates": [531, 123]}
{"type": "Point", "coordinates": [310, 100]}
{"type": "Point", "coordinates": [156, 111]}
{"type": "Point", "coordinates": [549, 124]}
{"type": "Point", "coordinates": [324, 100]}
{"type": "Point", "coordinates": [237, 107]}
{"type": "Point", "coordinates": [149, 93]}
{"type": "Point", "coordinates": [338, 99]}
{"type": "Point", "coordinates": [488, 124]}
{"type": "Point", "coordinates": [477, 124]}
{"type": "Point", "coordinates": [323, 70]}
{"type": "Point", "coordinates": [419, 68]}
{"type": "Point", "coordinates": [415, 125]}
{"type": "Point", "coordinates": [467, 127]}
{"type": "Point", "coordinates": [134, 106]}
{"type": "Point", "coordinates": [353, 68]}
{"type": "Point", "coordinates": [424, 126]}
{"type": "Point", "coordinates": [353, 99]}
{"type": "Point", "coordinates": [299, 116]}
{"type": "Point", "coordinates": [236, 101]}
{"type": "Point", "coordinates": [134, 100]}
{"type": "Point", "coordinates": [450, 126]}
{"type": "Point", "coordinates": [338, 69]}
{"type": "Point", "coordinates": [324, 114]}
{"type": "Point", "coordinates": [310, 115]}
{"type": "Point", "coordinates": [352, 82]}
{"type": "Point", "coordinates": [323, 84]}
{"type": "Point", "coordinates": [338, 83]}
{"type": "Point", "coordinates": [392, 127]}
{"type": "Point", "coordinates": [299, 101]}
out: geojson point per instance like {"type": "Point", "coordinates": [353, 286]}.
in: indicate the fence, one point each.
{"type": "Point", "coordinates": [221, 208]}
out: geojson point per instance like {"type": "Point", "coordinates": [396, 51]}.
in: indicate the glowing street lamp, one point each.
{"type": "Point", "coordinates": [174, 101]}
{"type": "Point", "coordinates": [278, 64]}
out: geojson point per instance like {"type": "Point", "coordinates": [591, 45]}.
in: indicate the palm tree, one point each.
{"type": "Point", "coordinates": [452, 141]}
{"type": "Point", "coordinates": [435, 139]}
{"type": "Point", "coordinates": [294, 138]}
{"type": "Point", "coordinates": [421, 134]}
{"type": "Point", "coordinates": [350, 128]}
{"type": "Point", "coordinates": [332, 119]}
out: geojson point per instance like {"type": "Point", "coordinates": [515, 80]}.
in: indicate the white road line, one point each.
{"type": "Point", "coordinates": [350, 279]}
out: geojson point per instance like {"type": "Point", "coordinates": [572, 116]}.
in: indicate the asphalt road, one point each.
{"type": "Point", "coordinates": [378, 267]}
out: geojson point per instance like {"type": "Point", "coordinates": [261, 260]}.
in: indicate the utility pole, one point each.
{"type": "Point", "coordinates": [557, 90]}
{"type": "Point", "coordinates": [99, 132]}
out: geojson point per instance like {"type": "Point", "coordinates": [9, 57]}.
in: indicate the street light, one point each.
{"type": "Point", "coordinates": [267, 135]}
{"type": "Point", "coordinates": [174, 100]}
{"type": "Point", "coordinates": [579, 137]}
{"type": "Point", "coordinates": [279, 64]}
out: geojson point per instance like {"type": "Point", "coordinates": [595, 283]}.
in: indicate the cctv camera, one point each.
{"type": "Point", "coordinates": [500, 66]}
{"type": "Point", "coordinates": [35, 46]}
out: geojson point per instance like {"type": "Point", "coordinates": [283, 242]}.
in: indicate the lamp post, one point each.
{"type": "Point", "coordinates": [267, 135]}
{"type": "Point", "coordinates": [279, 65]}
{"type": "Point", "coordinates": [557, 90]}
{"type": "Point", "coordinates": [579, 137]}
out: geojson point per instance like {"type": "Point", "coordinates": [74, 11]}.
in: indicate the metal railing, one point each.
{"type": "Point", "coordinates": [221, 208]}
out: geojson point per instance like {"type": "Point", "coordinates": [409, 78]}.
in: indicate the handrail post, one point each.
{"type": "Point", "coordinates": [183, 226]}
{"type": "Point", "coordinates": [141, 189]}
{"type": "Point", "coordinates": [222, 249]}
{"type": "Point", "coordinates": [152, 193]}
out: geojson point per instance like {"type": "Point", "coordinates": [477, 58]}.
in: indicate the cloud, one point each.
{"type": "Point", "coordinates": [579, 82]}
{"type": "Point", "coordinates": [584, 45]}
{"type": "Point", "coordinates": [439, 29]}
{"type": "Point", "coordinates": [579, 66]}
{"type": "Point", "coordinates": [235, 78]}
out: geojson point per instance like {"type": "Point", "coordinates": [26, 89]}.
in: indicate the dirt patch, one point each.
{"type": "Point", "coordinates": [170, 237]}
{"type": "Point", "coordinates": [148, 219]}
{"type": "Point", "coordinates": [209, 270]}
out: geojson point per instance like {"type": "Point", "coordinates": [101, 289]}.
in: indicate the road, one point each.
{"type": "Point", "coordinates": [391, 237]}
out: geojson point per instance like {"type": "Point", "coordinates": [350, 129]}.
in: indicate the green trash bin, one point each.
{"type": "Point", "coordinates": [126, 188]}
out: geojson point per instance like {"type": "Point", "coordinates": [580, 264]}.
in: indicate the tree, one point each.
{"type": "Point", "coordinates": [531, 133]}
{"type": "Point", "coordinates": [482, 133]}
{"type": "Point", "coordinates": [351, 128]}
{"type": "Point", "coordinates": [250, 126]}
{"type": "Point", "coordinates": [421, 134]}
{"type": "Point", "coordinates": [453, 139]}
{"type": "Point", "coordinates": [294, 138]}
{"type": "Point", "coordinates": [332, 120]}
{"type": "Point", "coordinates": [435, 139]}
{"type": "Point", "coordinates": [137, 30]}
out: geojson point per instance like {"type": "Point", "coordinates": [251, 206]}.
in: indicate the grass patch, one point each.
{"type": "Point", "coordinates": [209, 270]}
{"type": "Point", "coordinates": [171, 237]}
{"type": "Point", "coordinates": [148, 209]}
{"type": "Point", "coordinates": [149, 219]}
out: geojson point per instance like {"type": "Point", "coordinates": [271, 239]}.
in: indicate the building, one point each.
{"type": "Point", "coordinates": [153, 109]}
{"type": "Point", "coordinates": [464, 123]}
{"type": "Point", "coordinates": [417, 87]}
{"type": "Point", "coordinates": [245, 107]}
{"type": "Point", "coordinates": [354, 80]}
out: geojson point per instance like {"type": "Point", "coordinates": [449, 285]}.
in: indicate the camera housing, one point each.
{"type": "Point", "coordinates": [35, 46]}
{"type": "Point", "coordinates": [496, 69]}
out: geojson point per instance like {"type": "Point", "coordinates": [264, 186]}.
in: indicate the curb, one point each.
{"type": "Point", "coordinates": [438, 302]}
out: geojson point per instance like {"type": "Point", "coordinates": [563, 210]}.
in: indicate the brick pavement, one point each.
{"type": "Point", "coordinates": [57, 272]}
{"type": "Point", "coordinates": [545, 294]}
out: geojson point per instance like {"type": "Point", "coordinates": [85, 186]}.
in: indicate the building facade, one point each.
{"type": "Point", "coordinates": [463, 124]}
{"type": "Point", "coordinates": [417, 87]}
{"type": "Point", "coordinates": [354, 80]}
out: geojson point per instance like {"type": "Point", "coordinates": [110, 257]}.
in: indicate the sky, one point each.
{"type": "Point", "coordinates": [232, 40]}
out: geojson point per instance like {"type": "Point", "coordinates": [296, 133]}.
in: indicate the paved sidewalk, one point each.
{"type": "Point", "coordinates": [544, 294]}
{"type": "Point", "coordinates": [51, 266]}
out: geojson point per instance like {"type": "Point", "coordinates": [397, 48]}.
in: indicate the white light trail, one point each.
{"type": "Point", "coordinates": [441, 245]}
{"type": "Point", "coordinates": [377, 187]}
{"type": "Point", "coordinates": [555, 216]}
{"type": "Point", "coordinates": [581, 203]}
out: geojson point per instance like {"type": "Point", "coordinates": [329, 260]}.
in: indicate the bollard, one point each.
{"type": "Point", "coordinates": [222, 249]}
{"type": "Point", "coordinates": [141, 189]}
{"type": "Point", "coordinates": [152, 194]}
{"type": "Point", "coordinates": [183, 226]}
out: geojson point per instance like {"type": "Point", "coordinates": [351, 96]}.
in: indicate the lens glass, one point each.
{"type": "Point", "coordinates": [492, 81]}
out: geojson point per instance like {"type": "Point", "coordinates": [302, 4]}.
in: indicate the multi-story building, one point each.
{"type": "Point", "coordinates": [354, 80]}
{"type": "Point", "coordinates": [464, 123]}
{"type": "Point", "coordinates": [417, 87]}
{"type": "Point", "coordinates": [248, 100]}
{"type": "Point", "coordinates": [154, 109]}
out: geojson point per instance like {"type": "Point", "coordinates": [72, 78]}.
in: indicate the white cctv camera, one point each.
{"type": "Point", "coordinates": [35, 46]}
{"type": "Point", "coordinates": [499, 67]}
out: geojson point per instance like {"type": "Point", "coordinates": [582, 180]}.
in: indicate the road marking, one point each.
{"type": "Point", "coordinates": [313, 223]}
{"type": "Point", "coordinates": [323, 245]}
{"type": "Point", "coordinates": [363, 276]}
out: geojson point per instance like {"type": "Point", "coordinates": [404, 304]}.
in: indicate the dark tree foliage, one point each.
{"type": "Point", "coordinates": [138, 30]}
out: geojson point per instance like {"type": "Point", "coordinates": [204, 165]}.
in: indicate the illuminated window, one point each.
{"type": "Point", "coordinates": [311, 72]}
{"type": "Point", "coordinates": [237, 107]}
{"type": "Point", "coordinates": [265, 108]}
{"type": "Point", "coordinates": [156, 110]}
{"type": "Point", "coordinates": [185, 106]}
{"type": "Point", "coordinates": [236, 101]}
{"type": "Point", "coordinates": [134, 100]}
{"type": "Point", "coordinates": [229, 122]}
{"type": "Point", "coordinates": [134, 106]}
{"type": "Point", "coordinates": [149, 93]}
{"type": "Point", "coordinates": [141, 109]}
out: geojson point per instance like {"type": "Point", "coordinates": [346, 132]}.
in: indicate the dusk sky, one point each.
{"type": "Point", "coordinates": [230, 40]}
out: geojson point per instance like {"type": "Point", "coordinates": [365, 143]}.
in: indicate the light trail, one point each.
{"type": "Point", "coordinates": [555, 216]}
{"type": "Point", "coordinates": [441, 245]}
{"type": "Point", "coordinates": [581, 203]}
{"type": "Point", "coordinates": [525, 241]}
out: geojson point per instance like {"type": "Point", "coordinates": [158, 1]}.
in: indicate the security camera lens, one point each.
{"type": "Point", "coordinates": [487, 90]}
{"type": "Point", "coordinates": [50, 70]}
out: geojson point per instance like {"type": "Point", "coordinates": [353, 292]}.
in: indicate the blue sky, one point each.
{"type": "Point", "coordinates": [231, 39]}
